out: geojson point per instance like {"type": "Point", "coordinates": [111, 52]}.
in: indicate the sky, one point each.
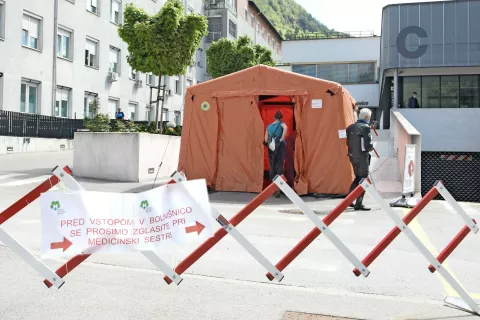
{"type": "Point", "coordinates": [361, 15]}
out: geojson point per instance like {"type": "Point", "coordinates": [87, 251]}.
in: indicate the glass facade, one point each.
{"type": "Point", "coordinates": [344, 73]}
{"type": "Point", "coordinates": [441, 91]}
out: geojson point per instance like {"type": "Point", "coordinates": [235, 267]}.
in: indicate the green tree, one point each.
{"type": "Point", "coordinates": [225, 56]}
{"type": "Point", "coordinates": [163, 43]}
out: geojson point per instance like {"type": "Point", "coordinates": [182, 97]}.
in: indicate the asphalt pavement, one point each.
{"type": "Point", "coordinates": [227, 283]}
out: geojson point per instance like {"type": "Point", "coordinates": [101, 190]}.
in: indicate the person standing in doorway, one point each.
{"type": "Point", "coordinates": [413, 101]}
{"type": "Point", "coordinates": [275, 141]}
{"type": "Point", "coordinates": [359, 142]}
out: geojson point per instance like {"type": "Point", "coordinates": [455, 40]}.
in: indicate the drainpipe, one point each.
{"type": "Point", "coordinates": [54, 68]}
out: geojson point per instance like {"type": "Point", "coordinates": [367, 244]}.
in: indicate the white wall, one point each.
{"type": "Point", "coordinates": [446, 129]}
{"type": "Point", "coordinates": [19, 145]}
{"type": "Point", "coordinates": [369, 93]}
{"type": "Point", "coordinates": [331, 50]}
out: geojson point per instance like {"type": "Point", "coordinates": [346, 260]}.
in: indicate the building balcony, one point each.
{"type": "Point", "coordinates": [220, 5]}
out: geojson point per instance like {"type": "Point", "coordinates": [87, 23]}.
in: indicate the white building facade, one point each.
{"type": "Point", "coordinates": [352, 62]}
{"type": "Point", "coordinates": [90, 61]}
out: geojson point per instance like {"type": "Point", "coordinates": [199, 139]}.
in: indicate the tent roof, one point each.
{"type": "Point", "coordinates": [258, 77]}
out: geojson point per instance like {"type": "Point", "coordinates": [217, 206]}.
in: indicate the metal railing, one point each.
{"type": "Point", "coordinates": [213, 36]}
{"type": "Point", "coordinates": [332, 35]}
{"type": "Point", "coordinates": [18, 124]}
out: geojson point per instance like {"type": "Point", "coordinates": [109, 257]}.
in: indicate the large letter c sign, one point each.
{"type": "Point", "coordinates": [402, 45]}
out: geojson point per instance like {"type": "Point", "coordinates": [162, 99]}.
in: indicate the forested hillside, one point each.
{"type": "Point", "coordinates": [289, 18]}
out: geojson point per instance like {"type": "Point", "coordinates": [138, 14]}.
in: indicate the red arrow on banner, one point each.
{"type": "Point", "coordinates": [198, 227]}
{"type": "Point", "coordinates": [65, 244]}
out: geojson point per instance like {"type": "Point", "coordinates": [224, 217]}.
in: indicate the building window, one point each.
{"type": "Point", "coordinates": [151, 79]}
{"type": "Point", "coordinates": [114, 55]}
{"type": "Point", "coordinates": [31, 32]}
{"type": "Point", "coordinates": [258, 26]}
{"type": "Point", "coordinates": [177, 86]}
{"type": "Point", "coordinates": [116, 6]}
{"type": "Point", "coordinates": [268, 38]}
{"type": "Point", "coordinates": [214, 29]}
{"type": "Point", "coordinates": [62, 102]}
{"type": "Point", "coordinates": [252, 20]}
{"type": "Point", "coordinates": [132, 111]}
{"type": "Point", "coordinates": [29, 97]}
{"type": "Point", "coordinates": [178, 118]}
{"type": "Point", "coordinates": [305, 69]}
{"type": "Point", "coordinates": [148, 113]}
{"type": "Point", "coordinates": [232, 29]}
{"type": "Point", "coordinates": [469, 92]}
{"type": "Point", "coordinates": [165, 115]}
{"type": "Point", "coordinates": [133, 74]}
{"type": "Point", "coordinates": [91, 53]}
{"type": "Point", "coordinates": [246, 14]}
{"type": "Point", "coordinates": [189, 82]}
{"type": "Point", "coordinates": [89, 105]}
{"type": "Point", "coordinates": [441, 91]}
{"type": "Point", "coordinates": [341, 72]}
{"type": "Point", "coordinates": [113, 104]}
{"type": "Point", "coordinates": [64, 43]}
{"type": "Point", "coordinates": [2, 19]}
{"type": "Point", "coordinates": [92, 6]}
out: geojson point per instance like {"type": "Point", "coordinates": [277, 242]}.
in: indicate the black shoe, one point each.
{"type": "Point", "coordinates": [351, 205]}
{"type": "Point", "coordinates": [361, 208]}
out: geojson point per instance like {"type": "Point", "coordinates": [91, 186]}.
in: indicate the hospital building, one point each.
{"type": "Point", "coordinates": [431, 48]}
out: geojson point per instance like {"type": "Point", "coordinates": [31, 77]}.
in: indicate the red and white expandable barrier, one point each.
{"type": "Point", "coordinates": [279, 183]}
{"type": "Point", "coordinates": [435, 263]}
{"type": "Point", "coordinates": [15, 246]}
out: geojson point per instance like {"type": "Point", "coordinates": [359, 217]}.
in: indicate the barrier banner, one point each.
{"type": "Point", "coordinates": [85, 222]}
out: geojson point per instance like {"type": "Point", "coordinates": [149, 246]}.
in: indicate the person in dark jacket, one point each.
{"type": "Point", "coordinates": [413, 101]}
{"type": "Point", "coordinates": [359, 142]}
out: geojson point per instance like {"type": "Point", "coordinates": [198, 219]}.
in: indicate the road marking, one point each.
{"type": "Point", "coordinates": [11, 175]}
{"type": "Point", "coordinates": [420, 233]}
{"type": "Point", "coordinates": [467, 207]}
{"type": "Point", "coordinates": [17, 183]}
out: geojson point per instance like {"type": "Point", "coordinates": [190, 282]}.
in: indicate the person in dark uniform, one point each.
{"type": "Point", "coordinates": [276, 131]}
{"type": "Point", "coordinates": [413, 101]}
{"type": "Point", "coordinates": [359, 142]}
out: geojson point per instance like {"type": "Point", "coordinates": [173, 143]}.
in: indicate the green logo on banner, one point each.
{"type": "Point", "coordinates": [144, 204]}
{"type": "Point", "coordinates": [55, 205]}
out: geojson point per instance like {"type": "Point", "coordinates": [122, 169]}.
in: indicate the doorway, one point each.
{"type": "Point", "coordinates": [268, 106]}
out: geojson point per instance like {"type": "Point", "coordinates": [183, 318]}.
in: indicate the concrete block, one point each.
{"type": "Point", "coordinates": [125, 157]}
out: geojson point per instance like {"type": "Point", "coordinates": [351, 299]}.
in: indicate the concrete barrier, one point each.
{"type": "Point", "coordinates": [19, 144]}
{"type": "Point", "coordinates": [125, 157]}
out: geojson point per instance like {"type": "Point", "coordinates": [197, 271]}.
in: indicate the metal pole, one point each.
{"type": "Point", "coordinates": [54, 68]}
{"type": "Point", "coordinates": [150, 106]}
{"type": "Point", "coordinates": [395, 90]}
{"type": "Point", "coordinates": [158, 103]}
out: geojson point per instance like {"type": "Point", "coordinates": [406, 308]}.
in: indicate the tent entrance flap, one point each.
{"type": "Point", "coordinates": [240, 145]}
{"type": "Point", "coordinates": [268, 106]}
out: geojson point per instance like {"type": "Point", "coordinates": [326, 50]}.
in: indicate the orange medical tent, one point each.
{"type": "Point", "coordinates": [224, 128]}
